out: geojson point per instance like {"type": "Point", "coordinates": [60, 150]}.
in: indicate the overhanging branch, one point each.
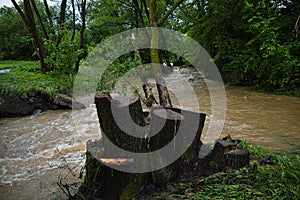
{"type": "Point", "coordinates": [169, 12]}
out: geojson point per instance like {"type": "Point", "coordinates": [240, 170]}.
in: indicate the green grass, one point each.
{"type": "Point", "coordinates": [26, 76]}
{"type": "Point", "coordinates": [279, 181]}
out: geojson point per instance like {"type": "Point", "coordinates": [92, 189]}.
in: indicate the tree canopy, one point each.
{"type": "Point", "coordinates": [254, 43]}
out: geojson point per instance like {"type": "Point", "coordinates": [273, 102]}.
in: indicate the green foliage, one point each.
{"type": "Point", "coordinates": [128, 192]}
{"type": "Point", "coordinates": [266, 59]}
{"type": "Point", "coordinates": [114, 71]}
{"type": "Point", "coordinates": [279, 181]}
{"type": "Point", "coordinates": [26, 76]}
{"type": "Point", "coordinates": [64, 56]}
{"type": "Point", "coordinates": [252, 42]}
{"type": "Point", "coordinates": [109, 17]}
{"type": "Point", "coordinates": [15, 43]}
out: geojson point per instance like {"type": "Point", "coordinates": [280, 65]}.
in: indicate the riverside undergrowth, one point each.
{"type": "Point", "coordinates": [26, 76]}
{"type": "Point", "coordinates": [279, 179]}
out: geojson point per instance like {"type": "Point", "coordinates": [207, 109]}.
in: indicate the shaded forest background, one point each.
{"type": "Point", "coordinates": [253, 42]}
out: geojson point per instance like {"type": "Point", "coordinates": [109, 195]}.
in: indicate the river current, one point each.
{"type": "Point", "coordinates": [38, 151]}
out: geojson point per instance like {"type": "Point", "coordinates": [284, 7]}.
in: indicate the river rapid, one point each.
{"type": "Point", "coordinates": [38, 151]}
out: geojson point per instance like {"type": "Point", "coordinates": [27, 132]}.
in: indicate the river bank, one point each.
{"type": "Point", "coordinates": [277, 178]}
{"type": "Point", "coordinates": [17, 106]}
{"type": "Point", "coordinates": [26, 90]}
{"type": "Point", "coordinates": [34, 103]}
{"type": "Point", "coordinates": [39, 151]}
{"type": "Point", "coordinates": [36, 151]}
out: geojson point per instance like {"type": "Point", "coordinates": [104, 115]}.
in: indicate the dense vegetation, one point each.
{"type": "Point", "coordinates": [254, 43]}
{"type": "Point", "coordinates": [15, 43]}
{"type": "Point", "coordinates": [279, 180]}
{"type": "Point", "coordinates": [26, 76]}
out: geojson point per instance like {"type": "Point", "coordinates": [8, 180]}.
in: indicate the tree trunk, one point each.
{"type": "Point", "coordinates": [237, 159]}
{"type": "Point", "coordinates": [82, 10]}
{"type": "Point", "coordinates": [101, 180]}
{"type": "Point", "coordinates": [62, 17]}
{"type": "Point", "coordinates": [23, 17]}
{"type": "Point", "coordinates": [37, 13]}
{"type": "Point", "coordinates": [174, 120]}
{"type": "Point", "coordinates": [48, 13]}
{"type": "Point", "coordinates": [150, 99]}
{"type": "Point", "coordinates": [74, 20]}
{"type": "Point", "coordinates": [114, 121]}
{"type": "Point", "coordinates": [164, 97]}
{"type": "Point", "coordinates": [28, 19]}
{"type": "Point", "coordinates": [33, 30]}
{"type": "Point", "coordinates": [169, 12]}
{"type": "Point", "coordinates": [104, 182]}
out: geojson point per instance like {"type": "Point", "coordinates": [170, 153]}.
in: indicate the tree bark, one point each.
{"type": "Point", "coordinates": [101, 180]}
{"type": "Point", "coordinates": [169, 12]}
{"type": "Point", "coordinates": [107, 183]}
{"type": "Point", "coordinates": [28, 19]}
{"type": "Point", "coordinates": [82, 11]}
{"type": "Point", "coordinates": [164, 97]}
{"type": "Point", "coordinates": [150, 99]}
{"type": "Point", "coordinates": [37, 13]}
{"type": "Point", "coordinates": [33, 30]}
{"type": "Point", "coordinates": [297, 27]}
{"type": "Point", "coordinates": [62, 17]}
{"type": "Point", "coordinates": [109, 109]}
{"type": "Point", "coordinates": [48, 13]}
{"type": "Point", "coordinates": [226, 155]}
{"type": "Point", "coordinates": [139, 14]}
{"type": "Point", "coordinates": [74, 21]}
{"type": "Point", "coordinates": [237, 159]}
{"type": "Point", "coordinates": [146, 9]}
{"type": "Point", "coordinates": [23, 17]}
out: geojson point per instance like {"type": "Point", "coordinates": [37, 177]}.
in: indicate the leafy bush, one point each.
{"type": "Point", "coordinates": [64, 56]}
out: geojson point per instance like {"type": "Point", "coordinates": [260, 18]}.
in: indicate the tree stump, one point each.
{"type": "Point", "coordinates": [237, 159]}
{"type": "Point", "coordinates": [176, 120]}
{"type": "Point", "coordinates": [226, 155]}
{"type": "Point", "coordinates": [194, 120]}
{"type": "Point", "coordinates": [114, 116]}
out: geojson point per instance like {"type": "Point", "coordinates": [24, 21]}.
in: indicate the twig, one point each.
{"type": "Point", "coordinates": [297, 27]}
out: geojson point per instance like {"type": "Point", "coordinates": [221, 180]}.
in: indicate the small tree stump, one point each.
{"type": "Point", "coordinates": [221, 147]}
{"type": "Point", "coordinates": [226, 155]}
{"type": "Point", "coordinates": [237, 159]}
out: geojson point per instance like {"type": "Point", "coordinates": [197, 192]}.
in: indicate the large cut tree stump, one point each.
{"type": "Point", "coordinates": [115, 117]}
{"type": "Point", "coordinates": [175, 121]}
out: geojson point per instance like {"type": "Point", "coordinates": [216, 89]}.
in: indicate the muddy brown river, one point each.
{"type": "Point", "coordinates": [38, 151]}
